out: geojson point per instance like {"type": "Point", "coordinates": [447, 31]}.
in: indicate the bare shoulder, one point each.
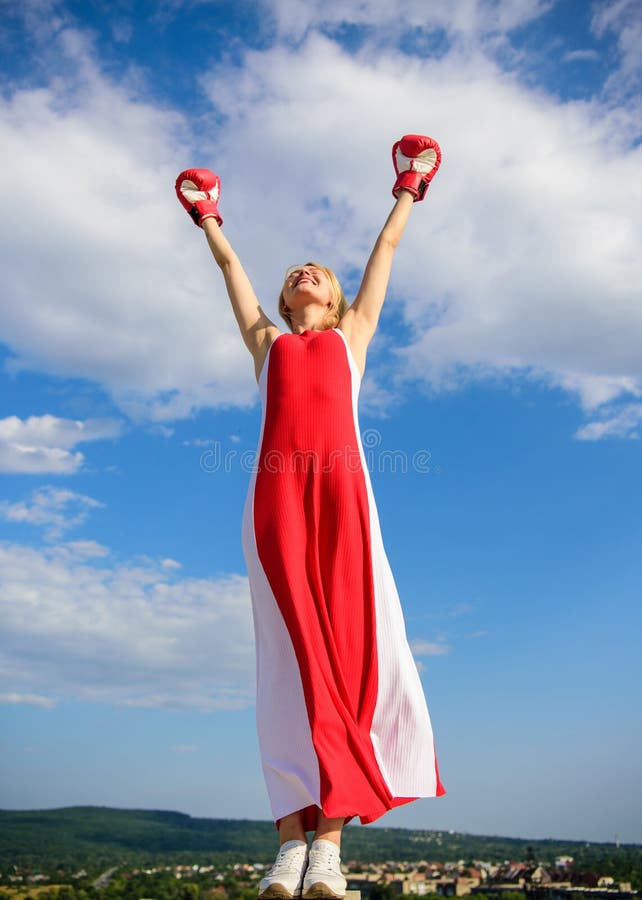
{"type": "Point", "coordinates": [357, 338]}
{"type": "Point", "coordinates": [259, 352]}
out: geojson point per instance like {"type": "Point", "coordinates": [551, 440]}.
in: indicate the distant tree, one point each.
{"type": "Point", "coordinates": [231, 887]}
{"type": "Point", "coordinates": [513, 895]}
{"type": "Point", "coordinates": [66, 893]}
{"type": "Point", "coordinates": [381, 891]}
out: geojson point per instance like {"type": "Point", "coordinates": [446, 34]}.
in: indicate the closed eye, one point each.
{"type": "Point", "coordinates": [296, 272]}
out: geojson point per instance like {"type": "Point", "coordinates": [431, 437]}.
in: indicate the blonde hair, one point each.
{"type": "Point", "coordinates": [339, 303]}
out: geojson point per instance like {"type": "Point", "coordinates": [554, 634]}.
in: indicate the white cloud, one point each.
{"type": "Point", "coordinates": [523, 261]}
{"type": "Point", "coordinates": [595, 390]}
{"type": "Point", "coordinates": [114, 284]}
{"type": "Point", "coordinates": [13, 699]}
{"type": "Point", "coordinates": [624, 19]}
{"type": "Point", "coordinates": [459, 19]}
{"type": "Point", "coordinates": [132, 633]}
{"type": "Point", "coordinates": [429, 648]}
{"type": "Point", "coordinates": [581, 56]}
{"type": "Point", "coordinates": [619, 423]}
{"type": "Point", "coordinates": [57, 509]}
{"type": "Point", "coordinates": [42, 444]}
{"type": "Point", "coordinates": [199, 442]}
{"type": "Point", "coordinates": [79, 550]}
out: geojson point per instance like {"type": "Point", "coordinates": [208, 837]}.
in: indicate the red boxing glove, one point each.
{"type": "Point", "coordinates": [198, 190]}
{"type": "Point", "coordinates": [416, 159]}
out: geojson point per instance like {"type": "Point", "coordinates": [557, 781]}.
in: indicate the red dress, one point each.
{"type": "Point", "coordinates": [342, 719]}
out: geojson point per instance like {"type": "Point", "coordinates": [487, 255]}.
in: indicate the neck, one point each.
{"type": "Point", "coordinates": [308, 321]}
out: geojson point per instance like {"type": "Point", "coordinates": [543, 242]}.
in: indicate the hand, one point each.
{"type": "Point", "coordinates": [198, 191]}
{"type": "Point", "coordinates": [416, 159]}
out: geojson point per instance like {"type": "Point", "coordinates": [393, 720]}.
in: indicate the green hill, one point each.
{"type": "Point", "coordinates": [95, 838]}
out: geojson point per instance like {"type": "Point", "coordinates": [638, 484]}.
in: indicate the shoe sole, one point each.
{"type": "Point", "coordinates": [279, 892]}
{"type": "Point", "coordinates": [320, 890]}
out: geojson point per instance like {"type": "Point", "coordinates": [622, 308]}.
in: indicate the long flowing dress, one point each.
{"type": "Point", "coordinates": [342, 719]}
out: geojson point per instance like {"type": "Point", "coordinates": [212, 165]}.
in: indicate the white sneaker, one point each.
{"type": "Point", "coordinates": [285, 878]}
{"type": "Point", "coordinates": [323, 877]}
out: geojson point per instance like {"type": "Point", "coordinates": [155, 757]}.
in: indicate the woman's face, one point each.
{"type": "Point", "coordinates": [307, 284]}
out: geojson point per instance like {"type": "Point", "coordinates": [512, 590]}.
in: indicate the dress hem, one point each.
{"type": "Point", "coordinates": [310, 813]}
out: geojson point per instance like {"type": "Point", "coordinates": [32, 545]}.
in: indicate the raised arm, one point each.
{"type": "Point", "coordinates": [416, 160]}
{"type": "Point", "coordinates": [253, 322]}
{"type": "Point", "coordinates": [360, 321]}
{"type": "Point", "coordinates": [198, 191]}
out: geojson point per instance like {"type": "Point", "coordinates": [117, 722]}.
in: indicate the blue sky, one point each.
{"type": "Point", "coordinates": [505, 380]}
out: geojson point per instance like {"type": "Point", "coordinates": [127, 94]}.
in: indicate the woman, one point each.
{"type": "Point", "coordinates": [342, 720]}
